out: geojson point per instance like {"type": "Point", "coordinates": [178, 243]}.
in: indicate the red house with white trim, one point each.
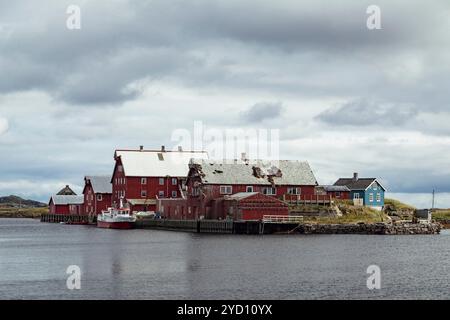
{"type": "Point", "coordinates": [141, 176]}
{"type": "Point", "coordinates": [97, 194]}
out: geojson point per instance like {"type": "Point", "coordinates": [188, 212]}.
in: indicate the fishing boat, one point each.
{"type": "Point", "coordinates": [120, 218]}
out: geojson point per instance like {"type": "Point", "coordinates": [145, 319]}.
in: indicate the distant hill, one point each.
{"type": "Point", "coordinates": [18, 202]}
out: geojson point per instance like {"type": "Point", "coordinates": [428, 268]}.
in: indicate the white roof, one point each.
{"type": "Point", "coordinates": [100, 184]}
{"type": "Point", "coordinates": [67, 199]}
{"type": "Point", "coordinates": [147, 163]}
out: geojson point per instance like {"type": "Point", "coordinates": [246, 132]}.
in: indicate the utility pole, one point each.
{"type": "Point", "coordinates": [432, 202]}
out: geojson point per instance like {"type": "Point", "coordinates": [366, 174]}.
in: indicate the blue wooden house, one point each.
{"type": "Point", "coordinates": [364, 191]}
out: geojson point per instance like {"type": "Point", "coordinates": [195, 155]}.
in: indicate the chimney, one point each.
{"type": "Point", "coordinates": [355, 176]}
{"type": "Point", "coordinates": [163, 149]}
{"type": "Point", "coordinates": [141, 148]}
{"type": "Point", "coordinates": [180, 148]}
{"type": "Point", "coordinates": [67, 185]}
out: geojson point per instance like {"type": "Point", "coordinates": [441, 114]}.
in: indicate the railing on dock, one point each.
{"type": "Point", "coordinates": [282, 219]}
{"type": "Point", "coordinates": [317, 199]}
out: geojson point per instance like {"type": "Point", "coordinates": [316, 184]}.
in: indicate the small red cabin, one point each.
{"type": "Point", "coordinates": [336, 192]}
{"type": "Point", "coordinates": [66, 204]}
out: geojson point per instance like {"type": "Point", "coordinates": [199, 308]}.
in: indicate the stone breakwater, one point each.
{"type": "Point", "coordinates": [373, 228]}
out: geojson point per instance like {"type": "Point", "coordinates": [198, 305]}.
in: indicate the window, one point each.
{"type": "Point", "coordinates": [337, 194]}
{"type": "Point", "coordinates": [143, 180]}
{"type": "Point", "coordinates": [378, 197]}
{"type": "Point", "coordinates": [161, 181]}
{"type": "Point", "coordinates": [226, 189]}
{"type": "Point", "coordinates": [195, 191]}
{"type": "Point", "coordinates": [174, 181]}
{"type": "Point", "coordinates": [370, 197]}
{"type": "Point", "coordinates": [161, 194]}
{"type": "Point", "coordinates": [356, 196]}
{"type": "Point", "coordinates": [249, 189]}
{"type": "Point", "coordinates": [174, 194]}
{"type": "Point", "coordinates": [293, 190]}
{"type": "Point", "coordinates": [99, 197]}
{"type": "Point", "coordinates": [269, 191]}
{"type": "Point", "coordinates": [143, 193]}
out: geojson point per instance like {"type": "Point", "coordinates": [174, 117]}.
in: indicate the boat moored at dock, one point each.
{"type": "Point", "coordinates": [116, 219]}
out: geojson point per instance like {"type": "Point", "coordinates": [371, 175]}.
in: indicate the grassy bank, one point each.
{"type": "Point", "coordinates": [441, 214]}
{"type": "Point", "coordinates": [6, 212]}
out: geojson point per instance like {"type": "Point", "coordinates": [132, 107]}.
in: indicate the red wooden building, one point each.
{"type": "Point", "coordinates": [336, 192]}
{"type": "Point", "coordinates": [141, 176]}
{"type": "Point", "coordinates": [66, 204]}
{"type": "Point", "coordinates": [97, 194]}
{"type": "Point", "coordinates": [209, 183]}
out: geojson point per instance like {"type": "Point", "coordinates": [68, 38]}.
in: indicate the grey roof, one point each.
{"type": "Point", "coordinates": [282, 172]}
{"type": "Point", "coordinates": [67, 199]}
{"type": "Point", "coordinates": [240, 195]}
{"type": "Point", "coordinates": [359, 184]}
{"type": "Point", "coordinates": [100, 184]}
{"type": "Point", "coordinates": [335, 188]}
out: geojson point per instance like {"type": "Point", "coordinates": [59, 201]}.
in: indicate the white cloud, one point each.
{"type": "Point", "coordinates": [4, 125]}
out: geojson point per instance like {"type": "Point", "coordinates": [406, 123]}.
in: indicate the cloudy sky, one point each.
{"type": "Point", "coordinates": [344, 97]}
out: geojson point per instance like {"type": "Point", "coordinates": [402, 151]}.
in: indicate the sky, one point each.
{"type": "Point", "coordinates": [344, 97]}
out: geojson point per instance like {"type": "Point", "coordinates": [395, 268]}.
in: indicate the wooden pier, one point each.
{"type": "Point", "coordinates": [68, 218]}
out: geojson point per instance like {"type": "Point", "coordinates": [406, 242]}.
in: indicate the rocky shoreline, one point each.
{"type": "Point", "coordinates": [373, 228]}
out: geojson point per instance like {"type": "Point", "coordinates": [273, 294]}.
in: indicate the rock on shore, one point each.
{"type": "Point", "coordinates": [373, 228]}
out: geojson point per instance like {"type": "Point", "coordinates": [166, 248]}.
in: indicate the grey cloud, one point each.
{"type": "Point", "coordinates": [364, 112]}
{"type": "Point", "coordinates": [262, 111]}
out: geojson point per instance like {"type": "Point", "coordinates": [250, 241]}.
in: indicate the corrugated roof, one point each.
{"type": "Point", "coordinates": [100, 184]}
{"type": "Point", "coordinates": [67, 199]}
{"type": "Point", "coordinates": [282, 172]}
{"type": "Point", "coordinates": [157, 163]}
{"type": "Point", "coordinates": [335, 188]}
{"type": "Point", "coordinates": [360, 184]}
{"type": "Point", "coordinates": [240, 195]}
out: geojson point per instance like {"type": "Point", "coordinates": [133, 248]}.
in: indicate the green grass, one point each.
{"type": "Point", "coordinates": [6, 212]}
{"type": "Point", "coordinates": [366, 217]}
{"type": "Point", "coordinates": [441, 214]}
{"type": "Point", "coordinates": [397, 205]}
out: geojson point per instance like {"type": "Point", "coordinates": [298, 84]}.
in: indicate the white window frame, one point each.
{"type": "Point", "coordinates": [143, 180]}
{"type": "Point", "coordinates": [273, 191]}
{"type": "Point", "coordinates": [174, 181]}
{"type": "Point", "coordinates": [143, 193]}
{"type": "Point", "coordinates": [371, 198]}
{"type": "Point", "coordinates": [356, 195]}
{"type": "Point", "coordinates": [226, 189]}
{"type": "Point", "coordinates": [337, 194]}
{"type": "Point", "coordinates": [99, 197]}
{"type": "Point", "coordinates": [294, 190]}
{"type": "Point", "coordinates": [249, 189]}
{"type": "Point", "coordinates": [161, 181]}
{"type": "Point", "coordinates": [378, 197]}
{"type": "Point", "coordinates": [161, 194]}
{"type": "Point", "coordinates": [174, 194]}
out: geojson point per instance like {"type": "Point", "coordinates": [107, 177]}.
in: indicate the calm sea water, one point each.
{"type": "Point", "coordinates": [148, 264]}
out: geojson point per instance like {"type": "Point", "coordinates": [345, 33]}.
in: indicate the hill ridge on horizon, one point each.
{"type": "Point", "coordinates": [19, 202]}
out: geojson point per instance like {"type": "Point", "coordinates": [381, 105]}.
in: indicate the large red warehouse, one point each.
{"type": "Point", "coordinates": [209, 181]}
{"type": "Point", "coordinates": [141, 176]}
